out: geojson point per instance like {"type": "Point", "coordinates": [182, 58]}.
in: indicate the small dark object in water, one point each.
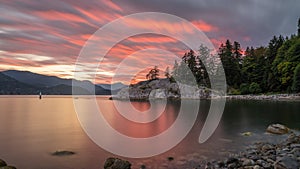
{"type": "Point", "coordinates": [63, 153]}
{"type": "Point", "coordinates": [170, 158]}
{"type": "Point", "coordinates": [143, 166]}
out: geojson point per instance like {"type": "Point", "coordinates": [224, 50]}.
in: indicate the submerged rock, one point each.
{"type": "Point", "coordinates": [170, 158]}
{"type": "Point", "coordinates": [116, 163]}
{"type": "Point", "coordinates": [277, 129]}
{"type": "Point", "coordinates": [246, 134]}
{"type": "Point", "coordinates": [63, 153]}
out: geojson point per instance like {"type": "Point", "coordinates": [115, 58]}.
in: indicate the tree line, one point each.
{"type": "Point", "coordinates": [274, 68]}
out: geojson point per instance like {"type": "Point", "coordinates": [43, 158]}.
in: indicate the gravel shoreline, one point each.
{"type": "Point", "coordinates": [280, 154]}
{"type": "Point", "coordinates": [260, 155]}
{"type": "Point", "coordinates": [275, 97]}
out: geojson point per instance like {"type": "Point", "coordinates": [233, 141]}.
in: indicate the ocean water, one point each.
{"type": "Point", "coordinates": [31, 129]}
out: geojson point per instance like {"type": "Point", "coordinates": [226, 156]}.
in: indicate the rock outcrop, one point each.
{"type": "Point", "coordinates": [163, 89]}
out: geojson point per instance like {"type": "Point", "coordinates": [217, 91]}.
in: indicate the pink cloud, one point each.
{"type": "Point", "coordinates": [152, 39]}
{"type": "Point", "coordinates": [204, 26]}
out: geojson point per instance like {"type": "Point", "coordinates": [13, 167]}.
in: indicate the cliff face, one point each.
{"type": "Point", "coordinates": [160, 89]}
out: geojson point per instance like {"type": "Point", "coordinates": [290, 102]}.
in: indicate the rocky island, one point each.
{"type": "Point", "coordinates": [161, 89]}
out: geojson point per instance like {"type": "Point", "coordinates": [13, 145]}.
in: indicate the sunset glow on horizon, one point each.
{"type": "Point", "coordinates": [46, 37]}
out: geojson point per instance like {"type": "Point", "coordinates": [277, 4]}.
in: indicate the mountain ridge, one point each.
{"type": "Point", "coordinates": [26, 82]}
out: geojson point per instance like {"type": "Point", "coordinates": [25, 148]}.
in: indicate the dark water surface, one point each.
{"type": "Point", "coordinates": [30, 129]}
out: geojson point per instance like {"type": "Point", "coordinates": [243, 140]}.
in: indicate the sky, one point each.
{"type": "Point", "coordinates": [47, 37]}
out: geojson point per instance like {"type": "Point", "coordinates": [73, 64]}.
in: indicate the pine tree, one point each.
{"type": "Point", "coordinates": [167, 73]}
{"type": "Point", "coordinates": [230, 64]}
{"type": "Point", "coordinates": [153, 74]}
{"type": "Point", "coordinates": [296, 79]}
{"type": "Point", "coordinates": [204, 57]}
{"type": "Point", "coordinates": [299, 27]}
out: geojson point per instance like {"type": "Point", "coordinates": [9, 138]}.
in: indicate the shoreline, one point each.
{"type": "Point", "coordinates": [260, 155]}
{"type": "Point", "coordinates": [272, 97]}
{"type": "Point", "coordinates": [281, 154]}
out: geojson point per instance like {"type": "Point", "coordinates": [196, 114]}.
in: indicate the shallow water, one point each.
{"type": "Point", "coordinates": [30, 129]}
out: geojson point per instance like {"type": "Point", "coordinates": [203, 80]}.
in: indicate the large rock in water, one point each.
{"type": "Point", "coordinates": [277, 129]}
{"type": "Point", "coordinates": [116, 163]}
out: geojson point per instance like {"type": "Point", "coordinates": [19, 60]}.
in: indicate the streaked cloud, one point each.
{"type": "Point", "coordinates": [46, 36]}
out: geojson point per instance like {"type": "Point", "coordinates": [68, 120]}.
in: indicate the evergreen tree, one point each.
{"type": "Point", "coordinates": [272, 78]}
{"type": "Point", "coordinates": [204, 57]}
{"type": "Point", "coordinates": [296, 79]}
{"type": "Point", "coordinates": [230, 64]}
{"type": "Point", "coordinates": [167, 73]}
{"type": "Point", "coordinates": [237, 52]}
{"type": "Point", "coordinates": [153, 74]}
{"type": "Point", "coordinates": [299, 27]}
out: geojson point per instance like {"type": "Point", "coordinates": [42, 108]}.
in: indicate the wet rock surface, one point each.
{"type": "Point", "coordinates": [116, 163]}
{"type": "Point", "coordinates": [3, 165]}
{"type": "Point", "coordinates": [277, 129]}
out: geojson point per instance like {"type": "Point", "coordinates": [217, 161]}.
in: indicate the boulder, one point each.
{"type": "Point", "coordinates": [158, 94]}
{"type": "Point", "coordinates": [116, 163]}
{"type": "Point", "coordinates": [2, 163]}
{"type": "Point", "coordinates": [287, 163]}
{"type": "Point", "coordinates": [277, 129]}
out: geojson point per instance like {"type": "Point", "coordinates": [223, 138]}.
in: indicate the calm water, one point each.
{"type": "Point", "coordinates": [30, 129]}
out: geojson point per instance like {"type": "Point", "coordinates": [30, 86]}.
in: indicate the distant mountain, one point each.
{"type": "Point", "coordinates": [64, 90]}
{"type": "Point", "coordinates": [37, 80]}
{"type": "Point", "coordinates": [9, 85]}
{"type": "Point", "coordinates": [17, 82]}
{"type": "Point", "coordinates": [115, 86]}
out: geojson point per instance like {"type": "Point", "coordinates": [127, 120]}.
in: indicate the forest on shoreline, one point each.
{"type": "Point", "coordinates": [274, 68]}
